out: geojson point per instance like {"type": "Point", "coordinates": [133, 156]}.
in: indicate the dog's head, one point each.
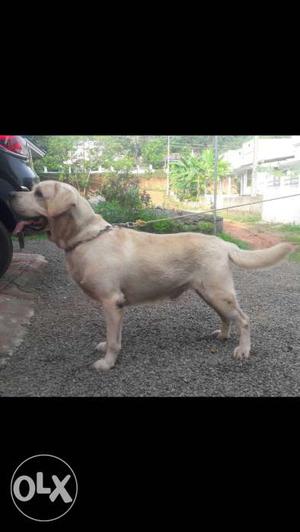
{"type": "Point", "coordinates": [45, 202]}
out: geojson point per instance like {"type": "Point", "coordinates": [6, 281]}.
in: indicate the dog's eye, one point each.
{"type": "Point", "coordinates": [38, 194]}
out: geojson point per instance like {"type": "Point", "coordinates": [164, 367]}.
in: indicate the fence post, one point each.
{"type": "Point", "coordinates": [168, 168]}
{"type": "Point", "coordinates": [215, 183]}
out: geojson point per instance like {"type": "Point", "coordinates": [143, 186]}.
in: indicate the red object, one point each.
{"type": "Point", "coordinates": [14, 143]}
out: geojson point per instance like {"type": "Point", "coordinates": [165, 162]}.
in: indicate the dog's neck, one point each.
{"type": "Point", "coordinates": [77, 224]}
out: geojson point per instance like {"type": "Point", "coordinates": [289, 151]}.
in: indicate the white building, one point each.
{"type": "Point", "coordinates": [270, 168]}
{"type": "Point", "coordinates": [249, 162]}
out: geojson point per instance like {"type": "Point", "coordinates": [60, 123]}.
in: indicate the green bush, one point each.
{"type": "Point", "coordinates": [115, 213]}
{"type": "Point", "coordinates": [162, 227]}
{"type": "Point", "coordinates": [124, 189]}
{"type": "Point", "coordinates": [173, 226]}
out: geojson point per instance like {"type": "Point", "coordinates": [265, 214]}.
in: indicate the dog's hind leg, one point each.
{"type": "Point", "coordinates": [114, 319]}
{"type": "Point", "coordinates": [224, 332]}
{"type": "Point", "coordinates": [224, 302]}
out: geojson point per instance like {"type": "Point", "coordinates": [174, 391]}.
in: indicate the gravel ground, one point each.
{"type": "Point", "coordinates": [167, 350]}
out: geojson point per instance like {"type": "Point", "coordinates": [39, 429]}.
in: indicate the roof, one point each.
{"type": "Point", "coordinates": [36, 152]}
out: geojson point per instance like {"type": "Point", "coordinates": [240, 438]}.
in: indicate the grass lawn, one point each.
{"type": "Point", "coordinates": [243, 217]}
{"type": "Point", "coordinates": [290, 232]}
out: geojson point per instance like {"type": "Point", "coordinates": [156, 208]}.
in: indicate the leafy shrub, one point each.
{"type": "Point", "coordinates": [115, 213]}
{"type": "Point", "coordinates": [124, 189]}
{"type": "Point", "coordinates": [162, 227]}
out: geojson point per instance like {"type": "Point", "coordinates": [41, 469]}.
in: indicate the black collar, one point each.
{"type": "Point", "coordinates": [107, 228]}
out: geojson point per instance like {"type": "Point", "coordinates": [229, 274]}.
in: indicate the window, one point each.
{"type": "Point", "coordinates": [274, 181]}
{"type": "Point", "coordinates": [292, 181]}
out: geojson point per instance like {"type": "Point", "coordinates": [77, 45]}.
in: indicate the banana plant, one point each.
{"type": "Point", "coordinates": [191, 175]}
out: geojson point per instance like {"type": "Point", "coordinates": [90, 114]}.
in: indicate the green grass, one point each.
{"type": "Point", "coordinates": [290, 228]}
{"type": "Point", "coordinates": [289, 232]}
{"type": "Point", "coordinates": [293, 239]}
{"type": "Point", "coordinates": [241, 243]}
{"type": "Point", "coordinates": [241, 217]}
{"type": "Point", "coordinates": [37, 236]}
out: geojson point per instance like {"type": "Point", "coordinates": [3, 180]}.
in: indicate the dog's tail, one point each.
{"type": "Point", "coordinates": [262, 258]}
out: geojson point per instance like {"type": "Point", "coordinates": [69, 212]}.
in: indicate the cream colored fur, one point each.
{"type": "Point", "coordinates": [126, 267]}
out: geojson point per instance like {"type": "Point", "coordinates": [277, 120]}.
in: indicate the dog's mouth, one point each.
{"type": "Point", "coordinates": [38, 223]}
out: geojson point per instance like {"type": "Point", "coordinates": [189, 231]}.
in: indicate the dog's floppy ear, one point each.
{"type": "Point", "coordinates": [61, 200]}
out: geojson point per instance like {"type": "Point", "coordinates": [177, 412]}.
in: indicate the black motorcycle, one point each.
{"type": "Point", "coordinates": [16, 174]}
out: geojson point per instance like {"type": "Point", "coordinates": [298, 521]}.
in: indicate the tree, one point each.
{"type": "Point", "coordinates": [63, 157]}
{"type": "Point", "coordinates": [187, 177]}
{"type": "Point", "coordinates": [58, 150]}
{"type": "Point", "coordinates": [154, 152]}
{"type": "Point", "coordinates": [118, 152]}
{"type": "Point", "coordinates": [185, 143]}
{"type": "Point", "coordinates": [123, 152]}
{"type": "Point", "coordinates": [192, 175]}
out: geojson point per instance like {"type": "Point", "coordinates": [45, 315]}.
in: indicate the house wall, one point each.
{"type": "Point", "coordinates": [266, 149]}
{"type": "Point", "coordinates": [230, 200]}
{"type": "Point", "coordinates": [282, 210]}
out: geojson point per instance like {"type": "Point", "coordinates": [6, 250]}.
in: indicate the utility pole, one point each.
{"type": "Point", "coordinates": [254, 166]}
{"type": "Point", "coordinates": [215, 184]}
{"type": "Point", "coordinates": [168, 168]}
{"type": "Point", "coordinates": [136, 154]}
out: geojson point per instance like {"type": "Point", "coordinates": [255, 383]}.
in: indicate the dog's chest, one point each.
{"type": "Point", "coordinates": [75, 269]}
{"type": "Point", "coordinates": [78, 271]}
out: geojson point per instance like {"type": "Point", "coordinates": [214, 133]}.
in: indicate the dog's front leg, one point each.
{"type": "Point", "coordinates": [114, 318]}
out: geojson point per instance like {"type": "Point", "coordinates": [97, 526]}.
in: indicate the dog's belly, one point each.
{"type": "Point", "coordinates": [136, 285]}
{"type": "Point", "coordinates": [145, 293]}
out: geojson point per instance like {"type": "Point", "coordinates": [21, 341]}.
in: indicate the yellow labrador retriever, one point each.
{"type": "Point", "coordinates": [119, 267]}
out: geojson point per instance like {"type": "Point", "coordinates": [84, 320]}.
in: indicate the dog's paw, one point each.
{"type": "Point", "coordinates": [241, 353]}
{"type": "Point", "coordinates": [102, 365]}
{"type": "Point", "coordinates": [101, 347]}
{"type": "Point", "coordinates": [219, 335]}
